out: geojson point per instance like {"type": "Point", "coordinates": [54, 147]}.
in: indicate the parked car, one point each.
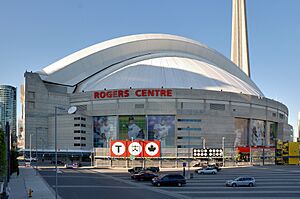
{"type": "Point", "coordinates": [241, 181]}
{"type": "Point", "coordinates": [135, 170]}
{"type": "Point", "coordinates": [77, 164]}
{"type": "Point", "coordinates": [169, 179]}
{"type": "Point", "coordinates": [215, 167]}
{"type": "Point", "coordinates": [153, 169]}
{"type": "Point", "coordinates": [58, 162]}
{"type": "Point", "coordinates": [207, 170]}
{"type": "Point", "coordinates": [144, 176]}
{"type": "Point", "coordinates": [71, 166]}
{"type": "Point", "coordinates": [32, 159]}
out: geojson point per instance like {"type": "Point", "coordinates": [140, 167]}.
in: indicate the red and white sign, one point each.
{"type": "Point", "coordinates": [137, 148]}
{"type": "Point", "coordinates": [152, 148]}
{"type": "Point", "coordinates": [118, 148]}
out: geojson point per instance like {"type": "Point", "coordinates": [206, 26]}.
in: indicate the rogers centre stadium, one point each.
{"type": "Point", "coordinates": [148, 87]}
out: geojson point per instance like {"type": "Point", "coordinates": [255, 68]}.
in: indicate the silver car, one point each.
{"type": "Point", "coordinates": [241, 181]}
{"type": "Point", "coordinates": [207, 170]}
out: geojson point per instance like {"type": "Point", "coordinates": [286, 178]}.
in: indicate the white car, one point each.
{"type": "Point", "coordinates": [71, 166]}
{"type": "Point", "coordinates": [32, 159]}
{"type": "Point", "coordinates": [207, 170]}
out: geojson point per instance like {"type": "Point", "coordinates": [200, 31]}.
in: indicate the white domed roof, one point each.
{"type": "Point", "coordinates": [149, 61]}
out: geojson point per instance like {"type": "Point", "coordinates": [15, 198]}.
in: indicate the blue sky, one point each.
{"type": "Point", "coordinates": [34, 34]}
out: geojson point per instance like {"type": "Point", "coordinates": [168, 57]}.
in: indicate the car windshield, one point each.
{"type": "Point", "coordinates": [161, 176]}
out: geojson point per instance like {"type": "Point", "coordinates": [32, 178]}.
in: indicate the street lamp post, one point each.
{"type": "Point", "coordinates": [203, 142]}
{"type": "Point", "coordinates": [189, 153]}
{"type": "Point", "coordinates": [36, 151]}
{"type": "Point", "coordinates": [71, 110]}
{"type": "Point", "coordinates": [30, 148]}
{"type": "Point", "coordinates": [223, 148]}
{"type": "Point", "coordinates": [36, 146]}
{"type": "Point", "coordinates": [55, 146]}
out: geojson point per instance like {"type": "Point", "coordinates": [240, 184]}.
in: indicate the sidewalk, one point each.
{"type": "Point", "coordinates": [28, 178]}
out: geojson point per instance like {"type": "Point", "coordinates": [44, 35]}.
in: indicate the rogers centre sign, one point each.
{"type": "Point", "coordinates": [133, 93]}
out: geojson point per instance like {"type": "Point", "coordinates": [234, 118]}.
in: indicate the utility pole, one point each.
{"type": "Point", "coordinates": [189, 155]}
{"type": "Point", "coordinates": [223, 148]}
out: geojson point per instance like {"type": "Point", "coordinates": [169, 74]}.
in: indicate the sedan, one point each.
{"type": "Point", "coordinates": [135, 170]}
{"type": "Point", "coordinates": [71, 166]}
{"type": "Point", "coordinates": [153, 169]}
{"type": "Point", "coordinates": [169, 179]}
{"type": "Point", "coordinates": [241, 181]}
{"type": "Point", "coordinates": [144, 176]}
{"type": "Point", "coordinates": [207, 170]}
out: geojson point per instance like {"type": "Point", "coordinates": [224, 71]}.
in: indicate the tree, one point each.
{"type": "Point", "coordinates": [14, 165]}
{"type": "Point", "coordinates": [3, 162]}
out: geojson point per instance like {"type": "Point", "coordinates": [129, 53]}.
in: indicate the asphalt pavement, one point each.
{"type": "Point", "coordinates": [272, 182]}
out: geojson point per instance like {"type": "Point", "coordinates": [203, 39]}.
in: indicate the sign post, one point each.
{"type": "Point", "coordinates": [183, 167]}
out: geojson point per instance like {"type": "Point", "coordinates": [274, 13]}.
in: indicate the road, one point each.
{"type": "Point", "coordinates": [272, 182]}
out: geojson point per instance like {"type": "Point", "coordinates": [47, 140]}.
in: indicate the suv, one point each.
{"type": "Point", "coordinates": [169, 179]}
{"type": "Point", "coordinates": [241, 181]}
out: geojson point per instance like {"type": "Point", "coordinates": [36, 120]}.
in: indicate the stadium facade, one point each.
{"type": "Point", "coordinates": [153, 87]}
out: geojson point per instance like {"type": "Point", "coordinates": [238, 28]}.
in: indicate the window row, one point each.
{"type": "Point", "coordinates": [78, 144]}
{"type": "Point", "coordinates": [78, 138]}
{"type": "Point", "coordinates": [82, 125]}
{"type": "Point", "coordinates": [79, 131]}
{"type": "Point", "coordinates": [80, 118]}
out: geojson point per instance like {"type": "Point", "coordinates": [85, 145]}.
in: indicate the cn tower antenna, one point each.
{"type": "Point", "coordinates": [239, 36]}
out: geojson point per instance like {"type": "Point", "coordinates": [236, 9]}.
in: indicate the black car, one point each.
{"type": "Point", "coordinates": [153, 169]}
{"type": "Point", "coordinates": [58, 162]}
{"type": "Point", "coordinates": [135, 170]}
{"type": "Point", "coordinates": [144, 176]}
{"type": "Point", "coordinates": [169, 179]}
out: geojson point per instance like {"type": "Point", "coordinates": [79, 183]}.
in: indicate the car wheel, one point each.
{"type": "Point", "coordinates": [250, 184]}
{"type": "Point", "coordinates": [179, 184]}
{"type": "Point", "coordinates": [158, 184]}
{"type": "Point", "coordinates": [142, 179]}
{"type": "Point", "coordinates": [201, 173]}
{"type": "Point", "coordinates": [213, 173]}
{"type": "Point", "coordinates": [234, 184]}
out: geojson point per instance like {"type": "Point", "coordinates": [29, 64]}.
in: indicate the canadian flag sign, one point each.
{"type": "Point", "coordinates": [137, 148]}
{"type": "Point", "coordinates": [152, 148]}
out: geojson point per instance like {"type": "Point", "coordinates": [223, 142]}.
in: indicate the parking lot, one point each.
{"type": "Point", "coordinates": [271, 182]}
